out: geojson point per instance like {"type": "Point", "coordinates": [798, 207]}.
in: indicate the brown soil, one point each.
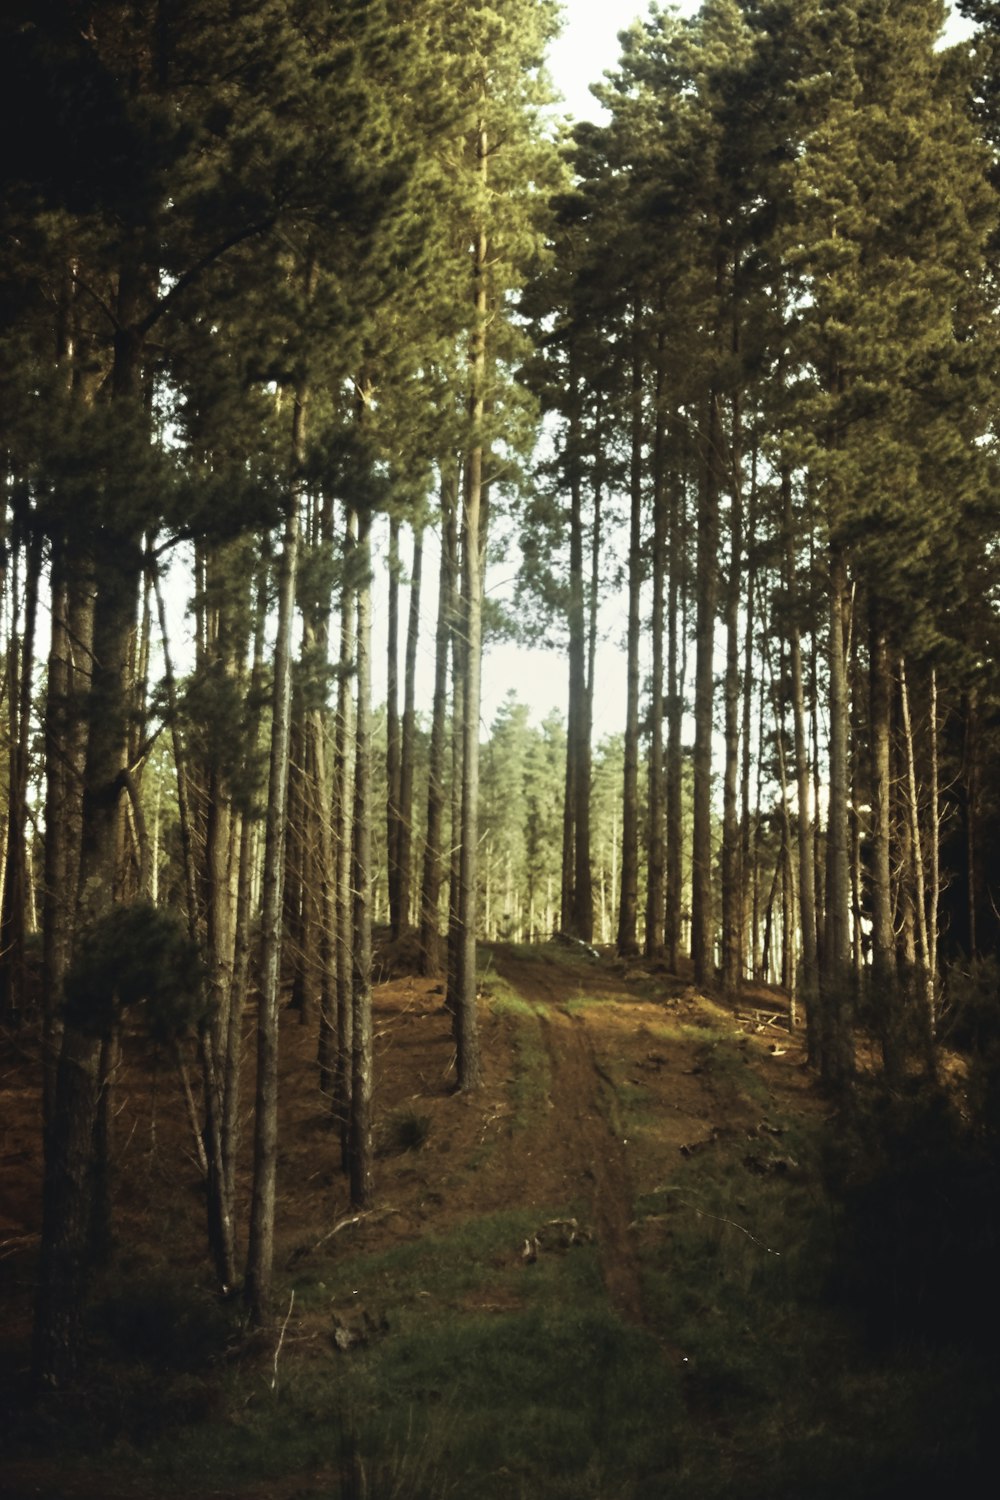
{"type": "Point", "coordinates": [573, 1161]}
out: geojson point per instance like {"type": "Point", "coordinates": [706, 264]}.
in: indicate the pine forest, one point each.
{"type": "Point", "coordinates": [403, 1095]}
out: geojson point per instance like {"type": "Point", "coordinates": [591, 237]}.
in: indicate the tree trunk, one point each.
{"type": "Point", "coordinates": [628, 905]}
{"type": "Point", "coordinates": [702, 908]}
{"type": "Point", "coordinates": [924, 996]}
{"type": "Point", "coordinates": [732, 871]}
{"type": "Point", "coordinates": [466, 1029]}
{"type": "Point", "coordinates": [360, 1139]}
{"type": "Point", "coordinates": [466, 1025]}
{"type": "Point", "coordinates": [750, 816]}
{"type": "Point", "coordinates": [675, 727]}
{"type": "Point", "coordinates": [430, 893]}
{"type": "Point", "coordinates": [884, 976]}
{"type": "Point", "coordinates": [65, 752]}
{"type": "Point", "coordinates": [344, 754]}
{"type": "Point", "coordinates": [14, 886]}
{"type": "Point", "coordinates": [837, 1060]}
{"type": "Point", "coordinates": [69, 1228]}
{"type": "Point", "coordinates": [260, 1253]}
{"type": "Point", "coordinates": [408, 748]}
{"type": "Point", "coordinates": [392, 746]}
{"type": "Point", "coordinates": [656, 901]}
{"type": "Point", "coordinates": [578, 896]}
{"type": "Point", "coordinates": [809, 985]}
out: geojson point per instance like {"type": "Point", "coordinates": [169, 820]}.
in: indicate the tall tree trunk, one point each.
{"type": "Point", "coordinates": [392, 747]}
{"type": "Point", "coordinates": [69, 1227]}
{"type": "Point", "coordinates": [805, 827]}
{"type": "Point", "coordinates": [65, 752]}
{"type": "Point", "coordinates": [430, 893]}
{"type": "Point", "coordinates": [115, 565]}
{"type": "Point", "coordinates": [459, 638]}
{"type": "Point", "coordinates": [934, 891]}
{"type": "Point", "coordinates": [750, 816]}
{"type": "Point", "coordinates": [360, 1147]}
{"type": "Point", "coordinates": [924, 997]}
{"type": "Point", "coordinates": [244, 854]}
{"type": "Point", "coordinates": [732, 872]}
{"type": "Point", "coordinates": [466, 1026]}
{"type": "Point", "coordinates": [467, 1035]}
{"type": "Point", "coordinates": [344, 754]}
{"type": "Point", "coordinates": [656, 902]}
{"type": "Point", "coordinates": [224, 650]}
{"type": "Point", "coordinates": [837, 1059]}
{"type": "Point", "coordinates": [675, 723]}
{"type": "Point", "coordinates": [567, 863]}
{"type": "Point", "coordinates": [702, 906]}
{"type": "Point", "coordinates": [584, 883]}
{"type": "Point", "coordinates": [14, 886]}
{"type": "Point", "coordinates": [408, 748]}
{"type": "Point", "coordinates": [884, 976]}
{"type": "Point", "coordinates": [628, 905]}
{"type": "Point", "coordinates": [260, 1252]}
{"type": "Point", "coordinates": [578, 896]}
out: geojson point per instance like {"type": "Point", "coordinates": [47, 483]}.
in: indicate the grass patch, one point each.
{"type": "Point", "coordinates": [582, 1003]}
{"type": "Point", "coordinates": [487, 1377]}
{"type": "Point", "coordinates": [531, 1084]}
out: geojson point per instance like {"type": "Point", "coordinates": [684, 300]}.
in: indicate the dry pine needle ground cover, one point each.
{"type": "Point", "coordinates": [603, 1275]}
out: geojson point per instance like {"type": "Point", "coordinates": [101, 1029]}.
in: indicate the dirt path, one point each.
{"type": "Point", "coordinates": [581, 1110]}
{"type": "Point", "coordinates": [581, 1131]}
{"type": "Point", "coordinates": [638, 1042]}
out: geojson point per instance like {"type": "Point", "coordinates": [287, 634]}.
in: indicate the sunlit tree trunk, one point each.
{"type": "Point", "coordinates": [409, 734]}
{"type": "Point", "coordinates": [656, 871]}
{"type": "Point", "coordinates": [260, 1253]}
{"type": "Point", "coordinates": [628, 904]}
{"type": "Point", "coordinates": [430, 894]}
{"type": "Point", "coordinates": [924, 996]}
{"type": "Point", "coordinates": [884, 976]}
{"type": "Point", "coordinates": [837, 1059]}
{"type": "Point", "coordinates": [360, 1151]}
{"type": "Point", "coordinates": [392, 749]}
{"type": "Point", "coordinates": [466, 1025]}
{"type": "Point", "coordinates": [732, 870]}
{"type": "Point", "coordinates": [702, 905]}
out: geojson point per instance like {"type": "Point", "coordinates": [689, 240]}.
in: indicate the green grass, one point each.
{"type": "Point", "coordinates": [485, 1378]}
{"type": "Point", "coordinates": [531, 1084]}
{"type": "Point", "coordinates": [581, 1003]}
{"type": "Point", "coordinates": [490, 1378]}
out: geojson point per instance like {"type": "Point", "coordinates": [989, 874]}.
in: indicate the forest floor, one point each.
{"type": "Point", "coordinates": [609, 1274]}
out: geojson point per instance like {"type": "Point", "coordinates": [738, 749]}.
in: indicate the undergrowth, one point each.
{"type": "Point", "coordinates": [812, 1296]}
{"type": "Point", "coordinates": [530, 1085]}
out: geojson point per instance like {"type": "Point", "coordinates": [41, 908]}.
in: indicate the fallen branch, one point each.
{"type": "Point", "coordinates": [302, 1251]}
{"type": "Point", "coordinates": [281, 1340]}
{"type": "Point", "coordinates": [720, 1219]}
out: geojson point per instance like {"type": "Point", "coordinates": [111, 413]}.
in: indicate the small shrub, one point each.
{"type": "Point", "coordinates": [406, 1130]}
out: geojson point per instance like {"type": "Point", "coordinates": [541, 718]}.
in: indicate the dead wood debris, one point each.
{"type": "Point", "coordinates": [555, 1234]}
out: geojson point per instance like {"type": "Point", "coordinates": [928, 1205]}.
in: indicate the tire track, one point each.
{"type": "Point", "coordinates": [599, 1157]}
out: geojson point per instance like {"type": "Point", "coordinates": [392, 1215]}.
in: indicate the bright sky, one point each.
{"type": "Point", "coordinates": [589, 45]}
